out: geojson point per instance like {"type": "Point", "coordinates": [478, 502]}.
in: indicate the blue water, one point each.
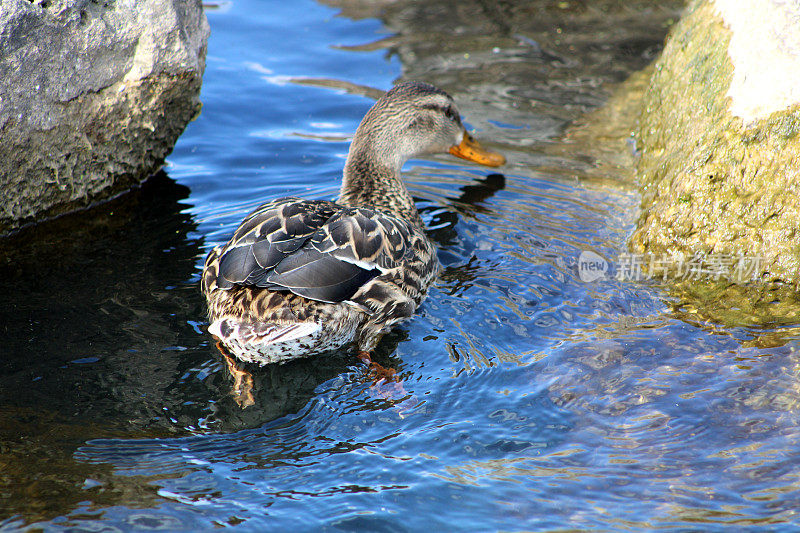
{"type": "Point", "coordinates": [528, 399]}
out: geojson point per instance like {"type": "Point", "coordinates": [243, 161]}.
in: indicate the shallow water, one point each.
{"type": "Point", "coordinates": [529, 399]}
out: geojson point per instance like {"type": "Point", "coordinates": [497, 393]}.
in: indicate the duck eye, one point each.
{"type": "Point", "coordinates": [451, 114]}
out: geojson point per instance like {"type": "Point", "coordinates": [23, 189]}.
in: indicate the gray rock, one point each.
{"type": "Point", "coordinates": [93, 95]}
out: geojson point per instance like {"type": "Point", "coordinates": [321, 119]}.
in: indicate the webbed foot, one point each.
{"type": "Point", "coordinates": [242, 381]}
{"type": "Point", "coordinates": [377, 372]}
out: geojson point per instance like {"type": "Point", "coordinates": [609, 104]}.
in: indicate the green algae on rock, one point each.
{"type": "Point", "coordinates": [713, 182]}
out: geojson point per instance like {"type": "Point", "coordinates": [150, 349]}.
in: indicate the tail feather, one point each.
{"type": "Point", "coordinates": [230, 330]}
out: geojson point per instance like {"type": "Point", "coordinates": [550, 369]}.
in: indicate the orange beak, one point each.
{"type": "Point", "coordinates": [471, 150]}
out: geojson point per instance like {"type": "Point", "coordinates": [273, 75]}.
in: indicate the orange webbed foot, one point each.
{"type": "Point", "coordinates": [377, 372]}
{"type": "Point", "coordinates": [387, 384]}
{"type": "Point", "coordinates": [242, 381]}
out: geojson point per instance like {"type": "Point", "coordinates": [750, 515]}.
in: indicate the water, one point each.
{"type": "Point", "coordinates": [529, 399]}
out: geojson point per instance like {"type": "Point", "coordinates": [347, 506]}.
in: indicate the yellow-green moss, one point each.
{"type": "Point", "coordinates": [734, 305]}
{"type": "Point", "coordinates": [710, 183]}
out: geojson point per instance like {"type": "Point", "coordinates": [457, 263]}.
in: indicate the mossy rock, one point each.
{"type": "Point", "coordinates": [710, 182]}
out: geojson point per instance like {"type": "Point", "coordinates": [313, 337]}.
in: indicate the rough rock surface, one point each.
{"type": "Point", "coordinates": [720, 163]}
{"type": "Point", "coordinates": [93, 95]}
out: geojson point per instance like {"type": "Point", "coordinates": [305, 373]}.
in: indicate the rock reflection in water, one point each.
{"type": "Point", "coordinates": [98, 296]}
{"type": "Point", "coordinates": [93, 345]}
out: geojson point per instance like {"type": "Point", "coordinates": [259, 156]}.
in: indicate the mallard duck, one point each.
{"type": "Point", "coordinates": [302, 277]}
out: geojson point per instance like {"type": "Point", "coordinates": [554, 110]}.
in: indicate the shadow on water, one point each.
{"type": "Point", "coordinates": [93, 342]}
{"type": "Point", "coordinates": [441, 222]}
{"type": "Point", "coordinates": [98, 345]}
{"type": "Point", "coordinates": [93, 321]}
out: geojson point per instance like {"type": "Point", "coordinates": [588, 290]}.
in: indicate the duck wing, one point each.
{"type": "Point", "coordinates": [315, 249]}
{"type": "Point", "coordinates": [266, 237]}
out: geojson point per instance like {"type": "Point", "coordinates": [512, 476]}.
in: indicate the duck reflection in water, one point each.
{"type": "Point", "coordinates": [303, 277]}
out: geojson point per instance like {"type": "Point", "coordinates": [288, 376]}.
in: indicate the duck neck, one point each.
{"type": "Point", "coordinates": [368, 182]}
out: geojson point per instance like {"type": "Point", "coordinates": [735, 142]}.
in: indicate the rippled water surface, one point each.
{"type": "Point", "coordinates": [528, 399]}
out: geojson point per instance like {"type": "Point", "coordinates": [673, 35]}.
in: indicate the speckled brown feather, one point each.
{"type": "Point", "coordinates": [398, 260]}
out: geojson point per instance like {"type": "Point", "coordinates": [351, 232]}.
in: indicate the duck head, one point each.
{"type": "Point", "coordinates": [414, 119]}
